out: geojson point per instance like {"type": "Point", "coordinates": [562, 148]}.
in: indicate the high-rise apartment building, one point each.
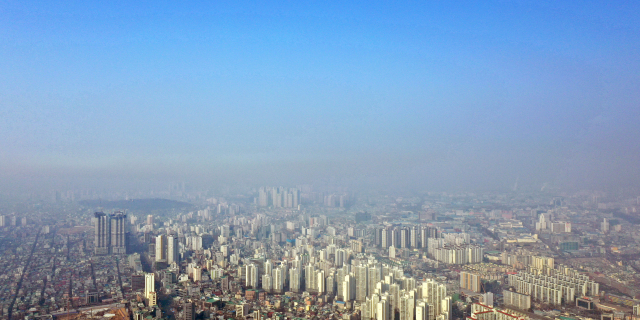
{"type": "Point", "coordinates": [463, 254]}
{"type": "Point", "coordinates": [362, 282]}
{"type": "Point", "coordinates": [321, 285]}
{"type": "Point", "coordinates": [294, 280]}
{"type": "Point", "coordinates": [150, 287]}
{"type": "Point", "coordinates": [395, 237]}
{"type": "Point", "coordinates": [383, 311]}
{"type": "Point", "coordinates": [422, 310]}
{"type": "Point", "coordinates": [197, 273]}
{"type": "Point", "coordinates": [404, 238]}
{"type": "Point", "coordinates": [339, 257]}
{"type": "Point", "coordinates": [349, 288]}
{"type": "Point", "coordinates": [386, 238]}
{"type": "Point", "coordinates": [189, 310]}
{"type": "Point", "coordinates": [470, 281]}
{"type": "Point", "coordinates": [267, 283]}
{"type": "Point", "coordinates": [118, 233]}
{"type": "Point", "coordinates": [110, 233]}
{"type": "Point", "coordinates": [415, 237]}
{"type": "Point", "coordinates": [173, 250]}
{"type": "Point", "coordinates": [517, 300]}
{"type": "Point", "coordinates": [102, 233]}
{"type": "Point", "coordinates": [540, 262]}
{"type": "Point", "coordinates": [278, 276]}
{"type": "Point", "coordinates": [434, 293]}
{"type": "Point", "coordinates": [553, 286]}
{"type": "Point", "coordinates": [377, 236]}
{"type": "Point", "coordinates": [161, 247]}
{"type": "Point", "coordinates": [407, 305]}
{"type": "Point", "coordinates": [604, 226]}
{"type": "Point", "coordinates": [278, 197]}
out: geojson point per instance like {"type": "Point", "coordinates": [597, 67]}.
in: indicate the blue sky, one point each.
{"type": "Point", "coordinates": [431, 95]}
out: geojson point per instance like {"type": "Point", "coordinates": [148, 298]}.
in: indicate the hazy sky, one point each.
{"type": "Point", "coordinates": [436, 95]}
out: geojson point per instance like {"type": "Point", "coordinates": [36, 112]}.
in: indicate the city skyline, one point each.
{"type": "Point", "coordinates": [437, 256]}
{"type": "Point", "coordinates": [333, 160]}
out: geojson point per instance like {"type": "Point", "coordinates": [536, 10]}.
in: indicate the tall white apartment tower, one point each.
{"type": "Point", "coordinates": [294, 279]}
{"type": "Point", "coordinates": [422, 310]}
{"type": "Point", "coordinates": [149, 284]}
{"type": "Point", "coordinates": [321, 282]}
{"type": "Point", "coordinates": [383, 309]}
{"type": "Point", "coordinates": [161, 247]}
{"type": "Point", "coordinates": [604, 226]}
{"type": "Point", "coordinates": [349, 288]}
{"type": "Point", "coordinates": [362, 282]}
{"type": "Point", "coordinates": [173, 250]}
{"type": "Point", "coordinates": [278, 275]}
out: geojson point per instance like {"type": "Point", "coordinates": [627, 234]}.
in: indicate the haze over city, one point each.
{"type": "Point", "coordinates": [326, 160]}
{"type": "Point", "coordinates": [414, 96]}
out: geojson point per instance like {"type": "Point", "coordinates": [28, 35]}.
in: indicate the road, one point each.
{"type": "Point", "coordinates": [24, 271]}
{"type": "Point", "coordinates": [119, 277]}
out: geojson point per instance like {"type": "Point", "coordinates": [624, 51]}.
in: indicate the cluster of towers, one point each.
{"type": "Point", "coordinates": [378, 289]}
{"type": "Point", "coordinates": [167, 249]}
{"type": "Point", "coordinates": [110, 233]}
{"type": "Point", "coordinates": [278, 197]}
{"type": "Point", "coordinates": [405, 237]}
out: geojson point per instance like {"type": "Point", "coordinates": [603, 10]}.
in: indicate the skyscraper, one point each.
{"type": "Point", "coordinates": [395, 237]}
{"type": "Point", "coordinates": [339, 257]}
{"type": "Point", "coordinates": [604, 226]}
{"type": "Point", "coordinates": [407, 305]}
{"type": "Point", "coordinates": [102, 233]}
{"type": "Point", "coordinates": [161, 247]}
{"type": "Point", "coordinates": [278, 197]}
{"type": "Point", "coordinates": [362, 280]}
{"type": "Point", "coordinates": [383, 312]}
{"type": "Point", "coordinates": [386, 238]}
{"type": "Point", "coordinates": [404, 238]}
{"type": "Point", "coordinates": [433, 293]}
{"type": "Point", "coordinates": [278, 275]}
{"type": "Point", "coordinates": [415, 237]}
{"type": "Point", "coordinates": [149, 285]}
{"type": "Point", "coordinates": [377, 236]}
{"type": "Point", "coordinates": [349, 288]}
{"type": "Point", "coordinates": [252, 276]}
{"type": "Point", "coordinates": [173, 254]}
{"type": "Point", "coordinates": [263, 199]}
{"type": "Point", "coordinates": [310, 278]}
{"type": "Point", "coordinates": [118, 233]}
{"type": "Point", "coordinates": [320, 281]}
{"type": "Point", "coordinates": [422, 310]}
{"type": "Point", "coordinates": [110, 233]}
{"type": "Point", "coordinates": [294, 279]}
{"type": "Point", "coordinates": [375, 275]}
{"type": "Point", "coordinates": [267, 282]}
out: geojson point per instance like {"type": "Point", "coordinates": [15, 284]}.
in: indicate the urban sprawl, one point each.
{"type": "Point", "coordinates": [294, 253]}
